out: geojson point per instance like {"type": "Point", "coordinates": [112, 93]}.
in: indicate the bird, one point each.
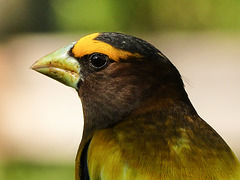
{"type": "Point", "coordinates": [139, 123]}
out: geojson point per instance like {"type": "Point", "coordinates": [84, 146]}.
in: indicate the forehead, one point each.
{"type": "Point", "coordinates": [95, 43]}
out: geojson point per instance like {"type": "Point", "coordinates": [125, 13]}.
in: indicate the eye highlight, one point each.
{"type": "Point", "coordinates": [98, 60]}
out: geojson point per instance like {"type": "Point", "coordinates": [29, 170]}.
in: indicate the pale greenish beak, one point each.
{"type": "Point", "coordinates": [60, 66]}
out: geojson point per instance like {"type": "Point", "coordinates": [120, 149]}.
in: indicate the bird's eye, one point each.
{"type": "Point", "coordinates": [98, 60]}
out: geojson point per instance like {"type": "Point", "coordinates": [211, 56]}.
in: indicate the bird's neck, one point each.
{"type": "Point", "coordinates": [167, 99]}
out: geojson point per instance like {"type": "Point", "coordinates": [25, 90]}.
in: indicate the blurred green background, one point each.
{"type": "Point", "coordinates": [41, 120]}
{"type": "Point", "coordinates": [24, 16]}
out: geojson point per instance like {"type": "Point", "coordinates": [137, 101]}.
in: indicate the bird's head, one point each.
{"type": "Point", "coordinates": [113, 73]}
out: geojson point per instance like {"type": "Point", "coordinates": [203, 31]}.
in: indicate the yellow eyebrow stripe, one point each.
{"type": "Point", "coordinates": [87, 45]}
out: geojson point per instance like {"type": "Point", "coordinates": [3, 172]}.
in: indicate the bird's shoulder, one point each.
{"type": "Point", "coordinates": [142, 148]}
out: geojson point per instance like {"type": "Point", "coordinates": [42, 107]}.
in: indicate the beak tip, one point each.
{"type": "Point", "coordinates": [34, 66]}
{"type": "Point", "coordinates": [31, 67]}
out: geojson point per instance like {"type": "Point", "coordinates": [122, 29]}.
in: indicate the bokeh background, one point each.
{"type": "Point", "coordinates": [41, 119]}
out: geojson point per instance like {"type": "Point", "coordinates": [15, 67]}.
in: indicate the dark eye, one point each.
{"type": "Point", "coordinates": [98, 60]}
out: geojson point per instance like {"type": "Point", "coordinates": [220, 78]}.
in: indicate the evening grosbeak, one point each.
{"type": "Point", "coordinates": [139, 123]}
